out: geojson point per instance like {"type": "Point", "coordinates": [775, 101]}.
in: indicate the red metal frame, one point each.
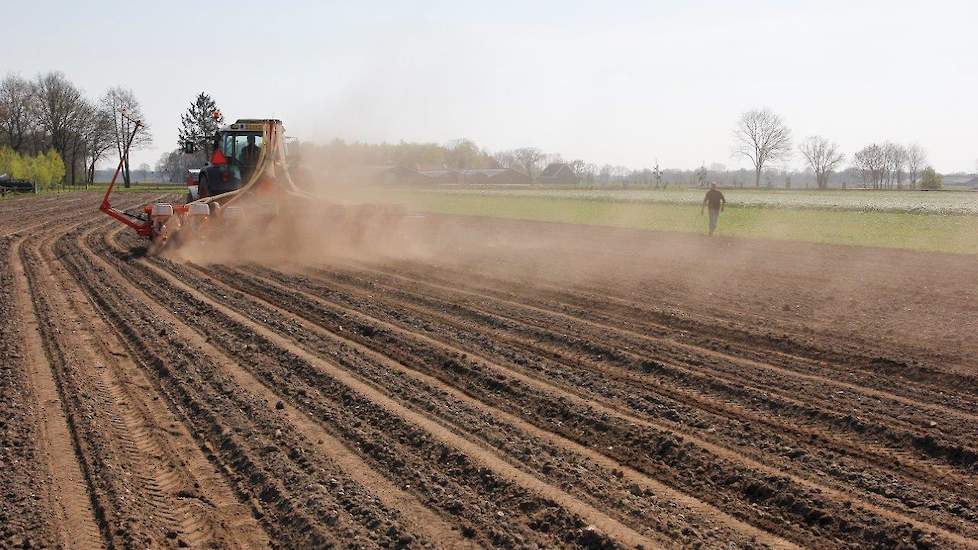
{"type": "Point", "coordinates": [143, 227]}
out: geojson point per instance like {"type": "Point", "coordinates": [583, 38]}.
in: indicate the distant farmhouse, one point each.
{"type": "Point", "coordinates": [558, 173]}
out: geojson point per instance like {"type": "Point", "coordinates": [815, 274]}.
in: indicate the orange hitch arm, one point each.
{"type": "Point", "coordinates": [143, 227]}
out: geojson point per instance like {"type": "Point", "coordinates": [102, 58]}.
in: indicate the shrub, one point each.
{"type": "Point", "coordinates": [930, 179]}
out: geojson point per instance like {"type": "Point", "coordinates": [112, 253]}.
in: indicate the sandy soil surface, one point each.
{"type": "Point", "coordinates": [507, 384]}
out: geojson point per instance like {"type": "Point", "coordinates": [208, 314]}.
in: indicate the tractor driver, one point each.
{"type": "Point", "coordinates": [249, 158]}
{"type": "Point", "coordinates": [250, 153]}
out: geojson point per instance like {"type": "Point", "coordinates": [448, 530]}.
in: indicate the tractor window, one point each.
{"type": "Point", "coordinates": [236, 148]}
{"type": "Point", "coordinates": [228, 146]}
{"type": "Point", "coordinates": [247, 153]}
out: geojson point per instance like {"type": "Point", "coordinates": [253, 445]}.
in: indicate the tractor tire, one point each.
{"type": "Point", "coordinates": [202, 190]}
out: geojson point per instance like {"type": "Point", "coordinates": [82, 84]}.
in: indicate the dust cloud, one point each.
{"type": "Point", "coordinates": [304, 231]}
{"type": "Point", "coordinates": [770, 283]}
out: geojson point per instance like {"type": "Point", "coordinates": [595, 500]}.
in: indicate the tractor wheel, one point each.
{"type": "Point", "coordinates": [202, 190]}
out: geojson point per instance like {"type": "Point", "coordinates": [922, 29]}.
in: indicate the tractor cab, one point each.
{"type": "Point", "coordinates": [235, 153]}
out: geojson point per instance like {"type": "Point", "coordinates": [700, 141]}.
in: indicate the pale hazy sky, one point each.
{"type": "Point", "coordinates": [610, 82]}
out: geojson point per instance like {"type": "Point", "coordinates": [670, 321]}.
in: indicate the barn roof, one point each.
{"type": "Point", "coordinates": [553, 169]}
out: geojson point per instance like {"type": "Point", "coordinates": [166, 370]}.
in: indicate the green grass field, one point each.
{"type": "Point", "coordinates": [955, 233]}
{"type": "Point", "coordinates": [933, 202]}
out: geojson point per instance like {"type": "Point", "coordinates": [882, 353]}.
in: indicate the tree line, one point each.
{"type": "Point", "coordinates": [460, 154]}
{"type": "Point", "coordinates": [762, 137]}
{"type": "Point", "coordinates": [338, 157]}
{"type": "Point", "coordinates": [50, 112]}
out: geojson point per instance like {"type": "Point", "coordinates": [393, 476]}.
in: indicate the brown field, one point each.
{"type": "Point", "coordinates": [507, 384]}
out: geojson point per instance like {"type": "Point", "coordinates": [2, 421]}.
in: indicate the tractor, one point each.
{"type": "Point", "coordinates": [247, 176]}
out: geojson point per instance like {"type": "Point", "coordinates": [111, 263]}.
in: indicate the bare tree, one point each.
{"type": "Point", "coordinates": [916, 160]}
{"type": "Point", "coordinates": [895, 158]}
{"type": "Point", "coordinates": [505, 159]}
{"type": "Point", "coordinates": [17, 118]}
{"type": "Point", "coordinates": [701, 175]}
{"type": "Point", "coordinates": [823, 156]}
{"type": "Point", "coordinates": [529, 159]}
{"type": "Point", "coordinates": [61, 110]}
{"type": "Point", "coordinates": [588, 173]}
{"type": "Point", "coordinates": [174, 165]}
{"type": "Point", "coordinates": [553, 158]}
{"type": "Point", "coordinates": [98, 133]}
{"type": "Point", "coordinates": [762, 136]}
{"type": "Point", "coordinates": [124, 108]}
{"type": "Point", "coordinates": [872, 164]}
{"type": "Point", "coordinates": [143, 171]}
{"type": "Point", "coordinates": [580, 169]}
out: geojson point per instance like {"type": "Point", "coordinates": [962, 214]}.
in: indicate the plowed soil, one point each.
{"type": "Point", "coordinates": [514, 385]}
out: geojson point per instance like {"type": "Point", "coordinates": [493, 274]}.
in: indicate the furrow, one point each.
{"type": "Point", "coordinates": [604, 360]}
{"type": "Point", "coordinates": [431, 395]}
{"type": "Point", "coordinates": [65, 482]}
{"type": "Point", "coordinates": [300, 498]}
{"type": "Point", "coordinates": [858, 366]}
{"type": "Point", "coordinates": [477, 470]}
{"type": "Point", "coordinates": [604, 411]}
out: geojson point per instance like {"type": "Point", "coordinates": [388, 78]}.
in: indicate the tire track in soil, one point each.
{"type": "Point", "coordinates": [623, 364]}
{"type": "Point", "coordinates": [25, 516]}
{"type": "Point", "coordinates": [418, 517]}
{"type": "Point", "coordinates": [765, 470]}
{"type": "Point", "coordinates": [612, 468]}
{"type": "Point", "coordinates": [144, 491]}
{"type": "Point", "coordinates": [180, 482]}
{"type": "Point", "coordinates": [76, 518]}
{"type": "Point", "coordinates": [65, 486]}
{"type": "Point", "coordinates": [270, 466]}
{"type": "Point", "coordinates": [549, 521]}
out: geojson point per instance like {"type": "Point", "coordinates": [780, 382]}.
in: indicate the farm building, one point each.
{"type": "Point", "coordinates": [558, 173]}
{"type": "Point", "coordinates": [494, 176]}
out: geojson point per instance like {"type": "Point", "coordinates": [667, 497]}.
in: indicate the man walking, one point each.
{"type": "Point", "coordinates": [714, 199]}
